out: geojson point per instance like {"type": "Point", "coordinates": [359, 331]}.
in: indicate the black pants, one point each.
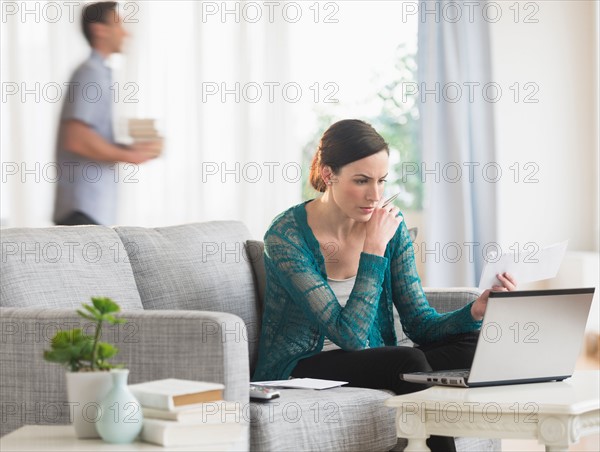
{"type": "Point", "coordinates": [75, 219]}
{"type": "Point", "coordinates": [379, 368]}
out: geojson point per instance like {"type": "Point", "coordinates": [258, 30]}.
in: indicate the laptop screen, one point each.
{"type": "Point", "coordinates": [535, 334]}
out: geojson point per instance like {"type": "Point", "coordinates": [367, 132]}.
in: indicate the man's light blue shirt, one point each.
{"type": "Point", "coordinates": [86, 185]}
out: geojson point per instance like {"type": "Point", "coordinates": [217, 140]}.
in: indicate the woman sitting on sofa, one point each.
{"type": "Point", "coordinates": [336, 266]}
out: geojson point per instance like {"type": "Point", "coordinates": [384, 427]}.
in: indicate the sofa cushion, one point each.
{"type": "Point", "coordinates": [198, 266]}
{"type": "Point", "coordinates": [62, 267]}
{"type": "Point", "coordinates": [348, 419]}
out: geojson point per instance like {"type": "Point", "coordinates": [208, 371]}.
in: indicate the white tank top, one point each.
{"type": "Point", "coordinates": [342, 289]}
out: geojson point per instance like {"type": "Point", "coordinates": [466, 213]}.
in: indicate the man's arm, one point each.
{"type": "Point", "coordinates": [81, 139]}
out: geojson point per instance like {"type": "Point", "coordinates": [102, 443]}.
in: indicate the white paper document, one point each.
{"type": "Point", "coordinates": [526, 266]}
{"type": "Point", "coordinates": [302, 383]}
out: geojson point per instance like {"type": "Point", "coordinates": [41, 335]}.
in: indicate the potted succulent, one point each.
{"type": "Point", "coordinates": [85, 358]}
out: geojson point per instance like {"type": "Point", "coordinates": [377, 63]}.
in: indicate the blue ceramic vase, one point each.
{"type": "Point", "coordinates": [121, 419]}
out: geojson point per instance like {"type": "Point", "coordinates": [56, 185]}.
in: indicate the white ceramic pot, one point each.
{"type": "Point", "coordinates": [85, 390]}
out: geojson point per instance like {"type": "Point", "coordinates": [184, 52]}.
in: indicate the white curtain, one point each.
{"type": "Point", "coordinates": [224, 158]}
{"type": "Point", "coordinates": [457, 142]}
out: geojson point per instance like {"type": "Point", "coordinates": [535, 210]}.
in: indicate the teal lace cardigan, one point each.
{"type": "Point", "coordinates": [300, 309]}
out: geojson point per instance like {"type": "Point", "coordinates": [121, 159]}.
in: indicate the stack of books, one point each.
{"type": "Point", "coordinates": [188, 413]}
{"type": "Point", "coordinates": [143, 130]}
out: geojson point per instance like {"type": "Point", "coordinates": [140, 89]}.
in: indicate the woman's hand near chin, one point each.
{"type": "Point", "coordinates": [381, 227]}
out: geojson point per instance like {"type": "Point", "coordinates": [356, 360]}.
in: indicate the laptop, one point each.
{"type": "Point", "coordinates": [526, 337]}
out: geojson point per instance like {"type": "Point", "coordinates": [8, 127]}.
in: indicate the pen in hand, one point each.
{"type": "Point", "coordinates": [389, 200]}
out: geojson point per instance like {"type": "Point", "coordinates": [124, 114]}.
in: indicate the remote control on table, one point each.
{"type": "Point", "coordinates": [258, 392]}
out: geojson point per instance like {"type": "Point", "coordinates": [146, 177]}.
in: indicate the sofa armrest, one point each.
{"type": "Point", "coordinates": [452, 298]}
{"type": "Point", "coordinates": [194, 345]}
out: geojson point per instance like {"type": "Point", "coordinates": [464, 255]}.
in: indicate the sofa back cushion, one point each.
{"type": "Point", "coordinates": [198, 266]}
{"type": "Point", "coordinates": [62, 267]}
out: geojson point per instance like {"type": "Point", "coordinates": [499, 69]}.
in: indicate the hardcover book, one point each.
{"type": "Point", "coordinates": [171, 393]}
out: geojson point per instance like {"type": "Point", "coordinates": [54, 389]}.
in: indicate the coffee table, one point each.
{"type": "Point", "coordinates": [62, 438]}
{"type": "Point", "coordinates": [557, 414]}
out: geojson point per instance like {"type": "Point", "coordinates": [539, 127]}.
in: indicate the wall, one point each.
{"type": "Point", "coordinates": [558, 135]}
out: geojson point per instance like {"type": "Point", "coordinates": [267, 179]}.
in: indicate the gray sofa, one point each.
{"type": "Point", "coordinates": [192, 296]}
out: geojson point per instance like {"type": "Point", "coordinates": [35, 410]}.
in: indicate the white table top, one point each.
{"type": "Point", "coordinates": [62, 438]}
{"type": "Point", "coordinates": [575, 395]}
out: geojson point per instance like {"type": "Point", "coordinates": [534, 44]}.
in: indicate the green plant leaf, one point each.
{"type": "Point", "coordinates": [85, 348]}
{"type": "Point", "coordinates": [61, 356]}
{"type": "Point", "coordinates": [67, 338]}
{"type": "Point", "coordinates": [93, 311]}
{"type": "Point", "coordinates": [69, 348]}
{"type": "Point", "coordinates": [86, 316]}
{"type": "Point", "coordinates": [112, 319]}
{"type": "Point", "coordinates": [106, 351]}
{"type": "Point", "coordinates": [76, 350]}
{"type": "Point", "coordinates": [105, 305]}
{"type": "Point", "coordinates": [109, 318]}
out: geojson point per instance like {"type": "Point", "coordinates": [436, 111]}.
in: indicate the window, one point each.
{"type": "Point", "coordinates": [358, 62]}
